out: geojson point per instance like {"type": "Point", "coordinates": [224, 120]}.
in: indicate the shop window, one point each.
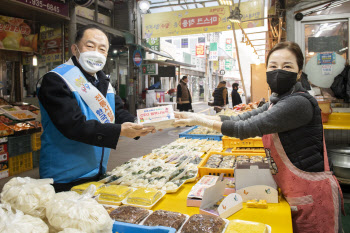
{"type": "Point", "coordinates": [201, 40]}
{"type": "Point", "coordinates": [169, 41]}
{"type": "Point", "coordinates": [326, 36]}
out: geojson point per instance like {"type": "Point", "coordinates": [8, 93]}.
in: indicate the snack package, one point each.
{"type": "Point", "coordinates": [28, 195]}
{"type": "Point", "coordinates": [81, 212]}
{"type": "Point", "coordinates": [129, 214]}
{"type": "Point", "coordinates": [19, 222]}
{"type": "Point", "coordinates": [166, 219]}
{"type": "Point", "coordinates": [144, 196]}
{"type": "Point", "coordinates": [82, 187]}
{"type": "Point", "coordinates": [113, 193]}
{"type": "Point", "coordinates": [240, 226]}
{"type": "Point", "coordinates": [200, 223]}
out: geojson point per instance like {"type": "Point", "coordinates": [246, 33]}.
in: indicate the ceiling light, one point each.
{"type": "Point", "coordinates": [311, 53]}
{"type": "Point", "coordinates": [144, 6]}
{"type": "Point", "coordinates": [235, 16]}
{"type": "Point", "coordinates": [35, 60]}
{"type": "Point", "coordinates": [225, 2]}
{"type": "Point", "coordinates": [115, 51]}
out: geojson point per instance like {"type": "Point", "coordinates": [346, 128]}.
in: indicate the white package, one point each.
{"type": "Point", "coordinates": [28, 195]}
{"type": "Point", "coordinates": [71, 210]}
{"type": "Point", "coordinates": [18, 222]}
{"type": "Point", "coordinates": [71, 230]}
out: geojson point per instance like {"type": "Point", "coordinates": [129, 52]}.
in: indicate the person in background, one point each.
{"type": "Point", "coordinates": [292, 133]}
{"type": "Point", "coordinates": [183, 96]}
{"type": "Point", "coordinates": [236, 98]}
{"type": "Point", "coordinates": [82, 116]}
{"type": "Point", "coordinates": [220, 95]}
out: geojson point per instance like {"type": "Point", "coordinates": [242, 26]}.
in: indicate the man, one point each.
{"type": "Point", "coordinates": [81, 114]}
{"type": "Point", "coordinates": [220, 94]}
{"type": "Point", "coordinates": [184, 99]}
{"type": "Point", "coordinates": [236, 98]}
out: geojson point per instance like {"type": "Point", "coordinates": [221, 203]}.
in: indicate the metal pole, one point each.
{"type": "Point", "coordinates": [63, 42]}
{"type": "Point", "coordinates": [238, 60]}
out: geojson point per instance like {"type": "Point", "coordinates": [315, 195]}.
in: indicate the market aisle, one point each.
{"type": "Point", "coordinates": [129, 148]}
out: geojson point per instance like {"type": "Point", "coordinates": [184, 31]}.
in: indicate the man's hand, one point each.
{"type": "Point", "coordinates": [182, 115]}
{"type": "Point", "coordinates": [132, 130]}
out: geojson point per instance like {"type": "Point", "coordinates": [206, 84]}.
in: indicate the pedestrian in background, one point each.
{"type": "Point", "coordinates": [184, 100]}
{"type": "Point", "coordinates": [220, 95]}
{"type": "Point", "coordinates": [236, 98]}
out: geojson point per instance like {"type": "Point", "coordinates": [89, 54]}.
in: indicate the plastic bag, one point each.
{"type": "Point", "coordinates": [18, 222]}
{"type": "Point", "coordinates": [71, 210]}
{"type": "Point", "coordinates": [28, 195]}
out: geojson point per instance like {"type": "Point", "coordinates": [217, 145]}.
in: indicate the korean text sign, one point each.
{"type": "Point", "coordinates": [201, 20]}
{"type": "Point", "coordinates": [152, 115]}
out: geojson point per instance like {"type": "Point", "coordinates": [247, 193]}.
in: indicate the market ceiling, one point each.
{"type": "Point", "coordinates": [176, 5]}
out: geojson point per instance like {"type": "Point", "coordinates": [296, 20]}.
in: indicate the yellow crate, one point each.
{"type": "Point", "coordinates": [20, 163]}
{"type": "Point", "coordinates": [249, 150]}
{"type": "Point", "coordinates": [229, 142]}
{"type": "Point", "coordinates": [229, 172]}
{"type": "Point", "coordinates": [36, 141]}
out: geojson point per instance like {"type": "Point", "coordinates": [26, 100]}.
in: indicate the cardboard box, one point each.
{"type": "Point", "coordinates": [214, 194]}
{"type": "Point", "coordinates": [255, 181]}
{"type": "Point", "coordinates": [4, 174]}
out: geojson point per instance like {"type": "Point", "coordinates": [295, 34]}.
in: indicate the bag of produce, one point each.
{"type": "Point", "coordinates": [18, 222]}
{"type": "Point", "coordinates": [28, 195]}
{"type": "Point", "coordinates": [81, 212]}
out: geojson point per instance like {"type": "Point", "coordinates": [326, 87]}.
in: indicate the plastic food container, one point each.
{"type": "Point", "coordinates": [229, 142]}
{"type": "Point", "coordinates": [113, 194]}
{"type": "Point", "coordinates": [144, 197]}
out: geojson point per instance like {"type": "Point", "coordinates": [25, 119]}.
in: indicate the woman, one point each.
{"type": "Point", "coordinates": [292, 131]}
{"type": "Point", "coordinates": [184, 100]}
{"type": "Point", "coordinates": [220, 95]}
{"type": "Point", "coordinates": [236, 98]}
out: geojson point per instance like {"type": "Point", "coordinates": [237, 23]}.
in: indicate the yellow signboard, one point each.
{"type": "Point", "coordinates": [201, 20]}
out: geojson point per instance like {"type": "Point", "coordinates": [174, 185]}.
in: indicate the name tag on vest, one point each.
{"type": "Point", "coordinates": [89, 93]}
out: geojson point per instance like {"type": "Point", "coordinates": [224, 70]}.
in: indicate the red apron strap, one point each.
{"type": "Point", "coordinates": [325, 156]}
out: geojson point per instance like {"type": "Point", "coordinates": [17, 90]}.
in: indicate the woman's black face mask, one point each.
{"type": "Point", "coordinates": [281, 81]}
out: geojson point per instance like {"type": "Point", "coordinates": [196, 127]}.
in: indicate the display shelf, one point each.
{"type": "Point", "coordinates": [338, 121]}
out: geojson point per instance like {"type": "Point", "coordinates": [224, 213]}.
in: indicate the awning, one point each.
{"type": "Point", "coordinates": [170, 63]}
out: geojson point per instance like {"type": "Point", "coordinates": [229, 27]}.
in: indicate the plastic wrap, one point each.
{"type": "Point", "coordinates": [199, 223]}
{"type": "Point", "coordinates": [113, 193]}
{"type": "Point", "coordinates": [71, 230]}
{"type": "Point", "coordinates": [71, 210]}
{"type": "Point", "coordinates": [144, 196]}
{"type": "Point", "coordinates": [165, 218]}
{"type": "Point", "coordinates": [82, 187]}
{"type": "Point", "coordinates": [129, 214]}
{"type": "Point", "coordinates": [18, 222]}
{"type": "Point", "coordinates": [240, 226]}
{"type": "Point", "coordinates": [214, 161]}
{"type": "Point", "coordinates": [28, 195]}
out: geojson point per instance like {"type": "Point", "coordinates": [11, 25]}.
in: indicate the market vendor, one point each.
{"type": "Point", "coordinates": [82, 116]}
{"type": "Point", "coordinates": [292, 131]}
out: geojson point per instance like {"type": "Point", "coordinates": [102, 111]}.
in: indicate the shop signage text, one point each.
{"type": "Point", "coordinates": [222, 72]}
{"type": "Point", "coordinates": [325, 58]}
{"type": "Point", "coordinates": [200, 50]}
{"type": "Point", "coordinates": [150, 69]}
{"type": "Point", "coordinates": [153, 43]}
{"type": "Point", "coordinates": [48, 5]}
{"type": "Point", "coordinates": [213, 52]}
{"type": "Point", "coordinates": [200, 20]}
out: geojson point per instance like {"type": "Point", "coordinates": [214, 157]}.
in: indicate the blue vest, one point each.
{"type": "Point", "coordinates": [67, 160]}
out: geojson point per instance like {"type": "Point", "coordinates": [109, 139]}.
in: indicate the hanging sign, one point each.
{"type": "Point", "coordinates": [137, 58]}
{"type": "Point", "coordinates": [150, 69]}
{"type": "Point", "coordinates": [200, 50]}
{"type": "Point", "coordinates": [228, 64]}
{"type": "Point", "coordinates": [222, 72]}
{"type": "Point", "coordinates": [325, 58]}
{"type": "Point", "coordinates": [200, 20]}
{"type": "Point", "coordinates": [153, 43]}
{"type": "Point", "coordinates": [213, 52]}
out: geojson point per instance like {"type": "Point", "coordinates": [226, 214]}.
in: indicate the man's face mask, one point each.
{"type": "Point", "coordinates": [92, 61]}
{"type": "Point", "coordinates": [281, 81]}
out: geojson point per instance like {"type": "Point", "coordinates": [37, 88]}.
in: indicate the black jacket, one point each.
{"type": "Point", "coordinates": [60, 104]}
{"type": "Point", "coordinates": [236, 98]}
{"type": "Point", "coordinates": [219, 96]}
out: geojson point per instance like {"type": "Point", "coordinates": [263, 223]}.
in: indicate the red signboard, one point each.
{"type": "Point", "coordinates": [48, 5]}
{"type": "Point", "coordinates": [200, 50]}
{"type": "Point", "coordinates": [200, 21]}
{"type": "Point", "coordinates": [228, 40]}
